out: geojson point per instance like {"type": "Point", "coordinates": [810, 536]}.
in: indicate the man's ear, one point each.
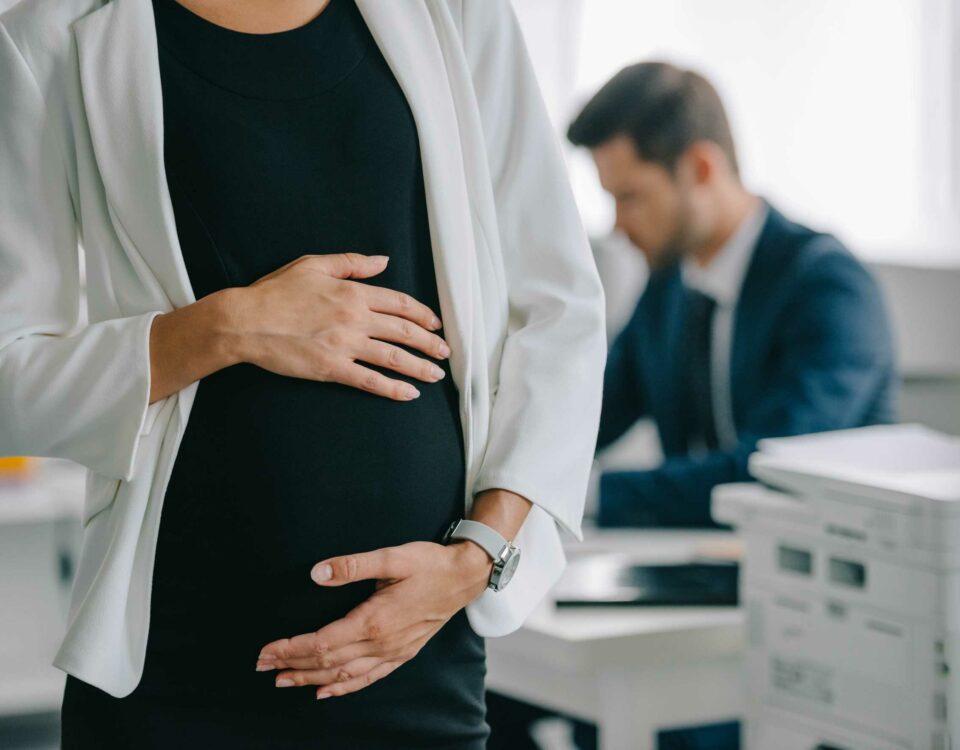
{"type": "Point", "coordinates": [701, 163]}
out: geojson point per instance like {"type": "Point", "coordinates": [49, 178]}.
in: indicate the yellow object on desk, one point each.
{"type": "Point", "coordinates": [16, 467]}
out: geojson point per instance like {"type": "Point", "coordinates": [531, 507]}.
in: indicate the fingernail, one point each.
{"type": "Point", "coordinates": [284, 682]}
{"type": "Point", "coordinates": [263, 666]}
{"type": "Point", "coordinates": [321, 696]}
{"type": "Point", "coordinates": [380, 258]}
{"type": "Point", "coordinates": [264, 656]}
{"type": "Point", "coordinates": [438, 373]}
{"type": "Point", "coordinates": [435, 323]}
{"type": "Point", "coordinates": [411, 392]}
{"type": "Point", "coordinates": [322, 573]}
{"type": "Point", "coordinates": [444, 350]}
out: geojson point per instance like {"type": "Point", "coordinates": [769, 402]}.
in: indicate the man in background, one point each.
{"type": "Point", "coordinates": [750, 325]}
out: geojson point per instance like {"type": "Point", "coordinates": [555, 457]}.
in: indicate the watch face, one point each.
{"type": "Point", "coordinates": [509, 568]}
{"type": "Point", "coordinates": [449, 531]}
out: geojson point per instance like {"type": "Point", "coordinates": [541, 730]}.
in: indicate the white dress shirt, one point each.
{"type": "Point", "coordinates": [721, 280]}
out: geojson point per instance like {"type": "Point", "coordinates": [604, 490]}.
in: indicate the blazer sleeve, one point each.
{"type": "Point", "coordinates": [82, 395]}
{"type": "Point", "coordinates": [545, 416]}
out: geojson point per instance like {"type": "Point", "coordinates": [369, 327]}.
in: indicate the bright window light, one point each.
{"type": "Point", "coordinates": [844, 112]}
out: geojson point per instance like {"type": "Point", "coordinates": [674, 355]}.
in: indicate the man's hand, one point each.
{"type": "Point", "coordinates": [420, 585]}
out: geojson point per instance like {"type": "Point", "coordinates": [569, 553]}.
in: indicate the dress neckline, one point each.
{"type": "Point", "coordinates": [296, 63]}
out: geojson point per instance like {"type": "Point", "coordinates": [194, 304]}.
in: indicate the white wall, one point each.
{"type": "Point", "coordinates": [925, 305]}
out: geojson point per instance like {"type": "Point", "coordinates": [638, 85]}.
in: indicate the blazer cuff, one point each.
{"type": "Point", "coordinates": [568, 518]}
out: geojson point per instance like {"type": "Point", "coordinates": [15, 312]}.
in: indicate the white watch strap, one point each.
{"type": "Point", "coordinates": [486, 536]}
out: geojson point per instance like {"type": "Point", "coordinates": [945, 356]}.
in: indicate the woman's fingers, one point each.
{"type": "Point", "coordinates": [383, 300]}
{"type": "Point", "coordinates": [387, 355]}
{"type": "Point", "coordinates": [358, 683]}
{"type": "Point", "coordinates": [402, 331]}
{"type": "Point", "coordinates": [358, 376]}
{"type": "Point", "coordinates": [387, 647]}
{"type": "Point", "coordinates": [393, 647]}
{"type": "Point", "coordinates": [376, 352]}
{"type": "Point", "coordinates": [340, 673]}
{"type": "Point", "coordinates": [349, 265]}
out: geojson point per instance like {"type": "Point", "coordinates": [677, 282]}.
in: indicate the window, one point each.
{"type": "Point", "coordinates": [845, 114]}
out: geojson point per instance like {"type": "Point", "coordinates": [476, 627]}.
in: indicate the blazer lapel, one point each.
{"type": "Point", "coordinates": [120, 83]}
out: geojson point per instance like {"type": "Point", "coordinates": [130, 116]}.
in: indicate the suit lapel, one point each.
{"type": "Point", "coordinates": [750, 317]}
{"type": "Point", "coordinates": [120, 83]}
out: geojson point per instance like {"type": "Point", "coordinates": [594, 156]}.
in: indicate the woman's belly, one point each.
{"type": "Point", "coordinates": [274, 474]}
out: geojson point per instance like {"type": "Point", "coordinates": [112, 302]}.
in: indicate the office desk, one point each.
{"type": "Point", "coordinates": [632, 671]}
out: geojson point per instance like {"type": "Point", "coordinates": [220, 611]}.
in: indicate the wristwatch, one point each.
{"type": "Point", "coordinates": [506, 556]}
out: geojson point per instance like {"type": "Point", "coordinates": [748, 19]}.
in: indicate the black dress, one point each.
{"type": "Point", "coordinates": [279, 145]}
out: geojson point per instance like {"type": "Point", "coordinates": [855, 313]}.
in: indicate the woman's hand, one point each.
{"type": "Point", "coordinates": [308, 319]}
{"type": "Point", "coordinates": [419, 587]}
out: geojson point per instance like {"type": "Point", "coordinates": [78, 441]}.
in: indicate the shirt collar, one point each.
{"type": "Point", "coordinates": [722, 278]}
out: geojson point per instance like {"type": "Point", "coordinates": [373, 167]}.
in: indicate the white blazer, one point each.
{"type": "Point", "coordinates": [81, 161]}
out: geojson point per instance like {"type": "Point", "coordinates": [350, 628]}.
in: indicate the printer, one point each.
{"type": "Point", "coordinates": [851, 585]}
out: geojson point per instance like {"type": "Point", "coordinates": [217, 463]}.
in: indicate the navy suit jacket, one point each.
{"type": "Point", "coordinates": [811, 351]}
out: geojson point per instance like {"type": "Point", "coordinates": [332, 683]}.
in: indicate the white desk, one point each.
{"type": "Point", "coordinates": [39, 540]}
{"type": "Point", "coordinates": [632, 671]}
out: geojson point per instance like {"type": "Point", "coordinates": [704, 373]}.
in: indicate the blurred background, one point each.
{"type": "Point", "coordinates": [846, 114]}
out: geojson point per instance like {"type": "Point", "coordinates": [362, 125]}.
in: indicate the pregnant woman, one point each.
{"type": "Point", "coordinates": [305, 590]}
{"type": "Point", "coordinates": [275, 143]}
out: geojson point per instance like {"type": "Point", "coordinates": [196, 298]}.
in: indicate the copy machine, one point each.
{"type": "Point", "coordinates": [851, 582]}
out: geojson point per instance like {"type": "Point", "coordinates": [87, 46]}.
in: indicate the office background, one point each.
{"type": "Point", "coordinates": [846, 114]}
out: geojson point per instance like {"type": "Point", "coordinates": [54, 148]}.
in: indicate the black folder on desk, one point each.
{"type": "Point", "coordinates": [608, 580]}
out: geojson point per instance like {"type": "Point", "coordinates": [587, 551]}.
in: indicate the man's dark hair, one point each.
{"type": "Point", "coordinates": [663, 109]}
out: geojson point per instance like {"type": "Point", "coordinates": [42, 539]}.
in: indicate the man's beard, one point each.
{"type": "Point", "coordinates": [680, 244]}
{"type": "Point", "coordinates": [682, 241]}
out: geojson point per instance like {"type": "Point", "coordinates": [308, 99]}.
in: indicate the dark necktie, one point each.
{"type": "Point", "coordinates": [696, 347]}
